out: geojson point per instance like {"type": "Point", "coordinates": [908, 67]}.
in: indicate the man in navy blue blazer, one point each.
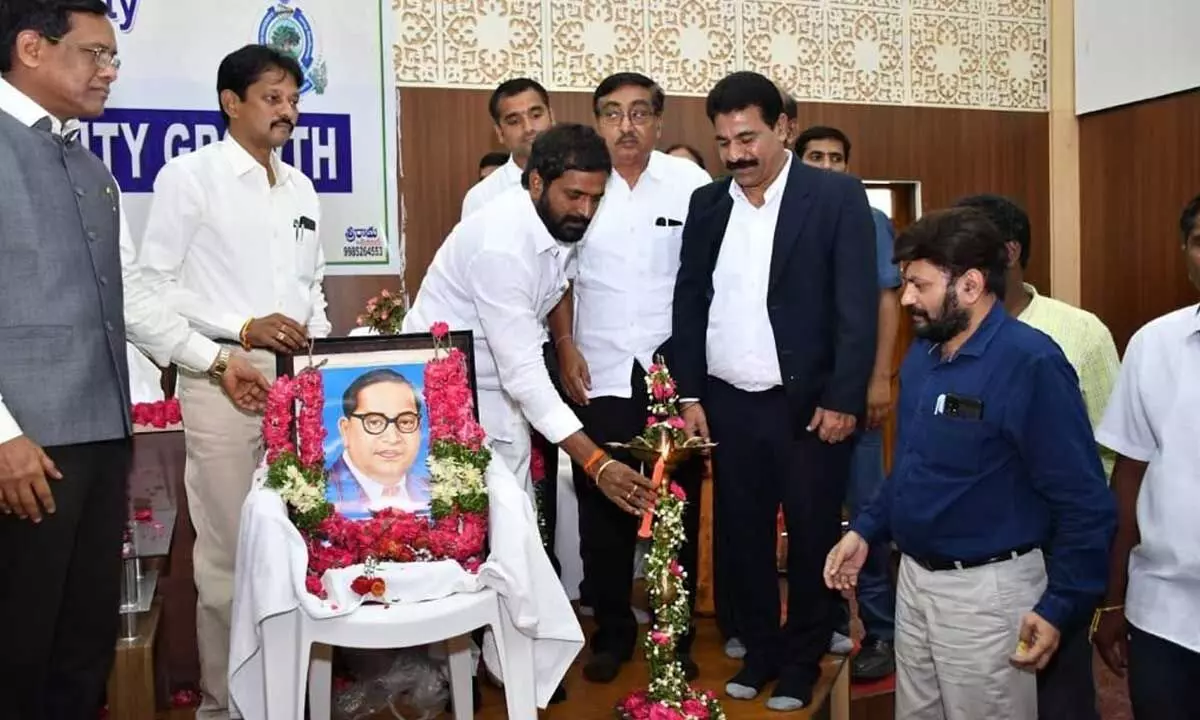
{"type": "Point", "coordinates": [774, 330]}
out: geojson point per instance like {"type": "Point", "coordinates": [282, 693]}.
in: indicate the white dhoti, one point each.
{"type": "Point", "coordinates": [955, 633]}
{"type": "Point", "coordinates": [224, 447]}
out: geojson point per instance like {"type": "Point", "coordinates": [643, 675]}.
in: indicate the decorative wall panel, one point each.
{"type": "Point", "coordinates": [941, 53]}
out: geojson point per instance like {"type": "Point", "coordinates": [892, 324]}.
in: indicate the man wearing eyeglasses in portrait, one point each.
{"type": "Point", "coordinates": [381, 438]}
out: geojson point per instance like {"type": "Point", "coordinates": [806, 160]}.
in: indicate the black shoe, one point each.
{"type": "Point", "coordinates": [560, 695]}
{"type": "Point", "coordinates": [691, 670]}
{"type": "Point", "coordinates": [875, 661]}
{"type": "Point", "coordinates": [603, 667]}
{"type": "Point", "coordinates": [749, 681]}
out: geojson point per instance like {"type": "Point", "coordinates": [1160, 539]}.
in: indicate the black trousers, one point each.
{"type": "Point", "coordinates": [60, 587]}
{"type": "Point", "coordinates": [608, 535]}
{"type": "Point", "coordinates": [1067, 685]}
{"type": "Point", "coordinates": [1163, 677]}
{"type": "Point", "coordinates": [760, 463]}
{"type": "Point", "coordinates": [549, 453]}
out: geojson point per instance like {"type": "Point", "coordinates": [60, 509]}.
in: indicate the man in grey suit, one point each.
{"type": "Point", "coordinates": [70, 296]}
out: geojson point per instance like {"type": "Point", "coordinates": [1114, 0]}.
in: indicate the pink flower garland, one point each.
{"type": "Point", "coordinates": [161, 414]}
{"type": "Point", "coordinates": [277, 419]}
{"type": "Point", "coordinates": [450, 401]}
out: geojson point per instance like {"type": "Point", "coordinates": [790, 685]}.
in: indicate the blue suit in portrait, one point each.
{"type": "Point", "coordinates": [351, 499]}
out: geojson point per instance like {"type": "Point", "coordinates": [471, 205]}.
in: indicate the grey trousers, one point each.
{"type": "Point", "coordinates": [955, 633]}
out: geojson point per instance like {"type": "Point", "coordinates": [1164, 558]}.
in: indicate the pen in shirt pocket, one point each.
{"type": "Point", "coordinates": [301, 224]}
{"type": "Point", "coordinates": [667, 222]}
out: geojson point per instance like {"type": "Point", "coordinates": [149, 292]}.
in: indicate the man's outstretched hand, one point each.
{"type": "Point", "coordinates": [244, 384]}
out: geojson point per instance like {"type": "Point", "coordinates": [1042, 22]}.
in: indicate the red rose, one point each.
{"type": "Point", "coordinates": [362, 585]}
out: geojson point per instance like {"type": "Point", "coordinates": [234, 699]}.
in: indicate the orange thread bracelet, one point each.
{"type": "Point", "coordinates": [594, 460]}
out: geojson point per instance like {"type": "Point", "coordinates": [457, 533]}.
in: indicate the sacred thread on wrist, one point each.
{"type": "Point", "coordinates": [594, 461]}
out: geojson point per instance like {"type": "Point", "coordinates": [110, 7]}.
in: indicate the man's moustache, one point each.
{"type": "Point", "coordinates": [740, 164]}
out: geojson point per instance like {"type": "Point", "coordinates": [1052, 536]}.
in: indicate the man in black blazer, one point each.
{"type": "Point", "coordinates": [774, 331]}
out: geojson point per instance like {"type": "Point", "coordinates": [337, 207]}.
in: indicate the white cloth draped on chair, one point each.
{"type": "Point", "coordinates": [272, 559]}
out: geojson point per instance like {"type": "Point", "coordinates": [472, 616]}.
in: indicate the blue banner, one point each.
{"type": "Point", "coordinates": [136, 143]}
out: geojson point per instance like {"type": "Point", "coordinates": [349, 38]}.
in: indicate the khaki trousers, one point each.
{"type": "Point", "coordinates": [224, 447]}
{"type": "Point", "coordinates": [955, 632]}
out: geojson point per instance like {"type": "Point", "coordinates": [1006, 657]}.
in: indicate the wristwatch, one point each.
{"type": "Point", "coordinates": [221, 364]}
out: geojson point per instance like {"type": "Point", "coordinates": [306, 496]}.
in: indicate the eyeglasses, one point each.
{"type": "Point", "coordinates": [637, 116]}
{"type": "Point", "coordinates": [103, 57]}
{"type": "Point", "coordinates": [377, 423]}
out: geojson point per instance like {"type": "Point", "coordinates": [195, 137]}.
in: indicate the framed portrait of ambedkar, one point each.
{"type": "Point", "coordinates": [375, 417]}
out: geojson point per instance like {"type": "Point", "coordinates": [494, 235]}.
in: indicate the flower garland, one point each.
{"type": "Point", "coordinates": [668, 697]}
{"type": "Point", "coordinates": [456, 527]}
{"type": "Point", "coordinates": [384, 312]}
{"type": "Point", "coordinates": [160, 414]}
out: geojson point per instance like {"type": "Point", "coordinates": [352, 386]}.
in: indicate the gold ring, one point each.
{"type": "Point", "coordinates": [630, 493]}
{"type": "Point", "coordinates": [279, 335]}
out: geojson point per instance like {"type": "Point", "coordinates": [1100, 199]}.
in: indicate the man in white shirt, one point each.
{"type": "Point", "coordinates": [499, 274]}
{"type": "Point", "coordinates": [520, 108]}
{"type": "Point", "coordinates": [70, 296]}
{"type": "Point", "coordinates": [232, 244]}
{"type": "Point", "coordinates": [622, 320]}
{"type": "Point", "coordinates": [774, 331]}
{"type": "Point", "coordinates": [1147, 623]}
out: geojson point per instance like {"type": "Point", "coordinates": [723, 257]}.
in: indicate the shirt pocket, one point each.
{"type": "Point", "coordinates": [307, 243]}
{"type": "Point", "coordinates": [953, 446]}
{"type": "Point", "coordinates": [665, 243]}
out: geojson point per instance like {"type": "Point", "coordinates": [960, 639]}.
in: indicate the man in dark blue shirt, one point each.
{"type": "Point", "coordinates": [995, 462]}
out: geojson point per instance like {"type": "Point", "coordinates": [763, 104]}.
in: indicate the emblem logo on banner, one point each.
{"type": "Point", "coordinates": [287, 29]}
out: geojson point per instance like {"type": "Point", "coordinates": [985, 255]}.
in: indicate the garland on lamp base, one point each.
{"type": "Point", "coordinates": [668, 697]}
{"type": "Point", "coordinates": [456, 527]}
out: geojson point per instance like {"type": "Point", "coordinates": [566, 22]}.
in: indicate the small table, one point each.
{"type": "Point", "coordinates": [831, 696]}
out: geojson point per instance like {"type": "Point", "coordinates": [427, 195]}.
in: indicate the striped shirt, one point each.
{"type": "Point", "coordinates": [1089, 348]}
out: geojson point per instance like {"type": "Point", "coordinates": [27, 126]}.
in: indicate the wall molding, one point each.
{"type": "Point", "coordinates": [985, 54]}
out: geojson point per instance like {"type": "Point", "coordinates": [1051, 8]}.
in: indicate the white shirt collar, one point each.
{"type": "Point", "coordinates": [774, 190]}
{"type": "Point", "coordinates": [243, 162]}
{"type": "Point", "coordinates": [512, 171]}
{"type": "Point", "coordinates": [26, 110]}
{"type": "Point", "coordinates": [374, 490]}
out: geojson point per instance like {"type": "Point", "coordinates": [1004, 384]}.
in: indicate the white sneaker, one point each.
{"type": "Point", "coordinates": [839, 644]}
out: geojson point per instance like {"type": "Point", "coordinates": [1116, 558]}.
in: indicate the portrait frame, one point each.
{"type": "Point", "coordinates": [358, 488]}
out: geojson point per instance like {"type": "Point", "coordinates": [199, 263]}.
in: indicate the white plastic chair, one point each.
{"type": "Point", "coordinates": [290, 659]}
